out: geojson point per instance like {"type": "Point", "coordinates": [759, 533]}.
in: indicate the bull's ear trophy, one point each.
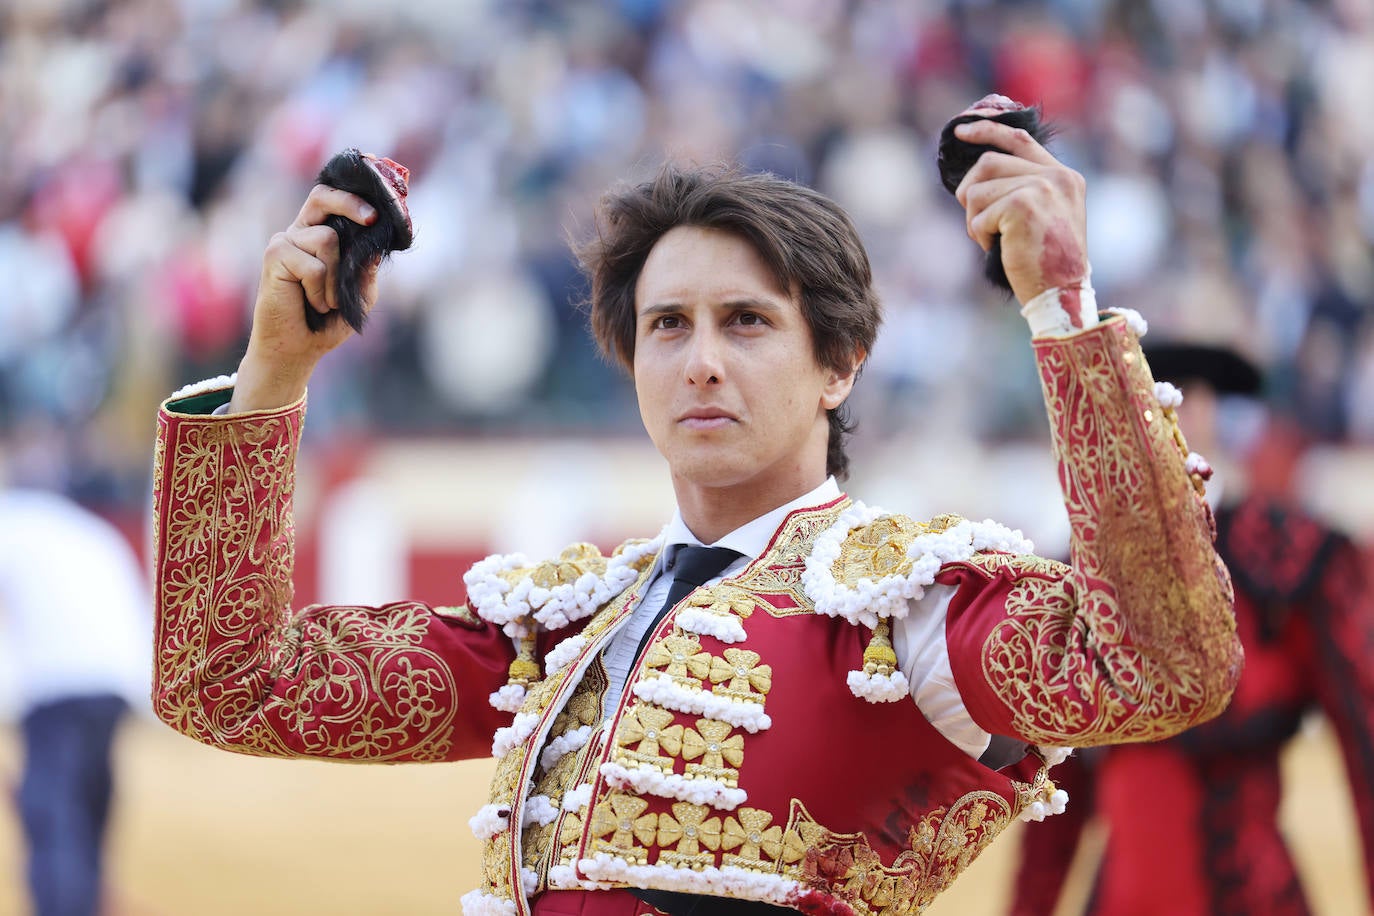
{"type": "Point", "coordinates": [383, 184]}
{"type": "Point", "coordinates": [956, 157]}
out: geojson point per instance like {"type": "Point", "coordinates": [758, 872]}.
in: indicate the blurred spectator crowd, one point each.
{"type": "Point", "coordinates": [151, 147]}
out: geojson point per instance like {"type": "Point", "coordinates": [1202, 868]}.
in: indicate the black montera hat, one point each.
{"type": "Point", "coordinates": [1221, 367]}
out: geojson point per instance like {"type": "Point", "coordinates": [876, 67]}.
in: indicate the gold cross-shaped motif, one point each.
{"type": "Point", "coordinates": [679, 656]}
{"type": "Point", "coordinates": [690, 828]}
{"type": "Point", "coordinates": [726, 599]}
{"type": "Point", "coordinates": [712, 742]}
{"type": "Point", "coordinates": [650, 728]}
{"type": "Point", "coordinates": [741, 668]}
{"type": "Point", "coordinates": [620, 820]}
{"type": "Point", "coordinates": [748, 831]}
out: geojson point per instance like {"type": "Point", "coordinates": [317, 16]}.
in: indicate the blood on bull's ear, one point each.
{"type": "Point", "coordinates": [383, 184]}
{"type": "Point", "coordinates": [955, 157]}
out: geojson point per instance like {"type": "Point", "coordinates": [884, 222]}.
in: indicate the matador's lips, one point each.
{"type": "Point", "coordinates": [707, 416]}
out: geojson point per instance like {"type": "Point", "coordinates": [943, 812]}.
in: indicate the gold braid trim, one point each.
{"type": "Point", "coordinates": [772, 583]}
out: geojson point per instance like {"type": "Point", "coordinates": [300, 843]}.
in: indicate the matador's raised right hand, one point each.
{"type": "Point", "coordinates": [298, 273]}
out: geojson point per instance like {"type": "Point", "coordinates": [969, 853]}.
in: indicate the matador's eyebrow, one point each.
{"type": "Point", "coordinates": [747, 303]}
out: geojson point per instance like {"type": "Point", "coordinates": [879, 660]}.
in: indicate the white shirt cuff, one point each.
{"type": "Point", "coordinates": [1059, 311]}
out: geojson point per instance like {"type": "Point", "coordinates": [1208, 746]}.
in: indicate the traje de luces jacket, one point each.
{"type": "Point", "coordinates": [765, 746]}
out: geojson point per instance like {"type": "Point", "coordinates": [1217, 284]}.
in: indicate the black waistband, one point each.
{"type": "Point", "coordinates": [677, 904]}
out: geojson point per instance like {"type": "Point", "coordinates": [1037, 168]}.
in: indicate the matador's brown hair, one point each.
{"type": "Point", "coordinates": [806, 240]}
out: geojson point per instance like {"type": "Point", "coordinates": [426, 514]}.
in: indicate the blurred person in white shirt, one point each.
{"type": "Point", "coordinates": [75, 623]}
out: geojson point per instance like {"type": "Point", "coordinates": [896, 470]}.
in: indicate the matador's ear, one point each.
{"type": "Point", "coordinates": [383, 184]}
{"type": "Point", "coordinates": [955, 157]}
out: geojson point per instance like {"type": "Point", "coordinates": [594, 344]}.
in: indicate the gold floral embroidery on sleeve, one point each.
{"type": "Point", "coordinates": [234, 666]}
{"type": "Point", "coordinates": [1135, 641]}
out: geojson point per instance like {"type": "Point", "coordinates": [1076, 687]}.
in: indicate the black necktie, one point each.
{"type": "Point", "coordinates": [692, 566]}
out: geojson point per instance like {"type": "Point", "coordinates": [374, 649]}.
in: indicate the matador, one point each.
{"type": "Point", "coordinates": [836, 719]}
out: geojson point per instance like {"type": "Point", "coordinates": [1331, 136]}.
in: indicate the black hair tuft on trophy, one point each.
{"type": "Point", "coordinates": [383, 184]}
{"type": "Point", "coordinates": [955, 157]}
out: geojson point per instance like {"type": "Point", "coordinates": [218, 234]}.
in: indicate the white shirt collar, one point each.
{"type": "Point", "coordinates": [752, 537]}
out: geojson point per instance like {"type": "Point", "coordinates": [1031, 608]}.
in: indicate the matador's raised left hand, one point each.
{"type": "Point", "coordinates": [1033, 201]}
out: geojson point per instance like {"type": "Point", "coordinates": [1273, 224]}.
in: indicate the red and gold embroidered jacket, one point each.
{"type": "Point", "coordinates": [747, 757]}
{"type": "Point", "coordinates": [1194, 822]}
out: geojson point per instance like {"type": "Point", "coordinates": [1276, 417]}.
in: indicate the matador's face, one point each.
{"type": "Point", "coordinates": [728, 383]}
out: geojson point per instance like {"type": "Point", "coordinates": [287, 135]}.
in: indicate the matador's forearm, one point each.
{"type": "Point", "coordinates": [1135, 639]}
{"type": "Point", "coordinates": [235, 667]}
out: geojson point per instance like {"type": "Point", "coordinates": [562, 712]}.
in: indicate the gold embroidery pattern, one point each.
{"type": "Point", "coordinates": [1137, 524]}
{"type": "Point", "coordinates": [646, 734]}
{"type": "Point", "coordinates": [775, 584]}
{"type": "Point", "coordinates": [649, 736]}
{"type": "Point", "coordinates": [574, 562]}
{"type": "Point", "coordinates": [939, 847]}
{"type": "Point", "coordinates": [688, 829]}
{"type": "Point", "coordinates": [496, 868]}
{"type": "Point", "coordinates": [752, 840]}
{"type": "Point", "coordinates": [713, 742]}
{"type": "Point", "coordinates": [739, 676]}
{"type": "Point", "coordinates": [583, 709]}
{"type": "Point", "coordinates": [570, 770]}
{"type": "Point", "coordinates": [569, 835]}
{"type": "Point", "coordinates": [234, 666]}
{"type": "Point", "coordinates": [681, 658]}
{"type": "Point", "coordinates": [506, 779]}
{"type": "Point", "coordinates": [522, 762]}
{"type": "Point", "coordinates": [622, 828]}
{"type": "Point", "coordinates": [1041, 788]}
{"type": "Point", "coordinates": [689, 835]}
{"type": "Point", "coordinates": [537, 840]}
{"type": "Point", "coordinates": [724, 598]}
{"type": "Point", "coordinates": [878, 549]}
{"type": "Point", "coordinates": [1019, 565]}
